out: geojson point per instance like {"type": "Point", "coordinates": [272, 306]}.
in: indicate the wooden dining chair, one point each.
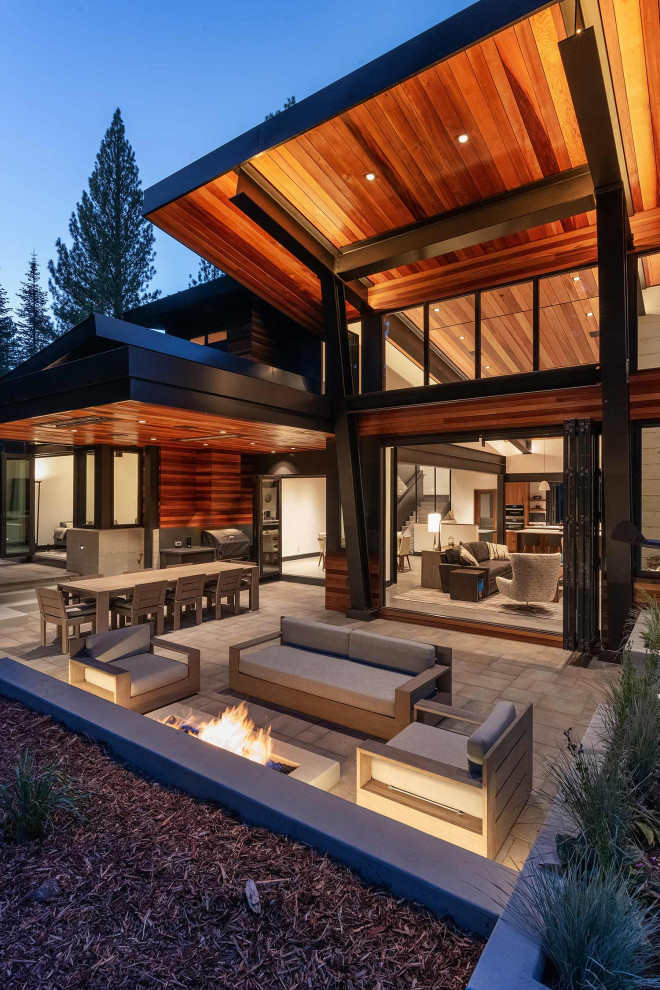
{"type": "Point", "coordinates": [53, 610]}
{"type": "Point", "coordinates": [228, 585]}
{"type": "Point", "coordinates": [188, 593]}
{"type": "Point", "coordinates": [147, 600]}
{"type": "Point", "coordinates": [403, 552]}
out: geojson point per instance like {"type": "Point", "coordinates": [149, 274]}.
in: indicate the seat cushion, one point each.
{"type": "Point", "coordinates": [479, 550]}
{"type": "Point", "coordinates": [319, 636]}
{"type": "Point", "coordinates": [148, 671]}
{"type": "Point", "coordinates": [119, 643]}
{"type": "Point", "coordinates": [384, 651]}
{"type": "Point", "coordinates": [85, 608]}
{"type": "Point", "coordinates": [443, 747]}
{"type": "Point", "coordinates": [487, 734]}
{"type": "Point", "coordinates": [336, 678]}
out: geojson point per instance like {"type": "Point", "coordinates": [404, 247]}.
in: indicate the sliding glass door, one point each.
{"type": "Point", "coordinates": [16, 515]}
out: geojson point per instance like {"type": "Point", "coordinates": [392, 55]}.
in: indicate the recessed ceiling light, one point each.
{"type": "Point", "coordinates": [436, 309]}
{"type": "Point", "coordinates": [463, 139]}
{"type": "Point", "coordinates": [461, 338]}
{"type": "Point", "coordinates": [152, 438]}
{"type": "Point", "coordinates": [223, 431]}
{"type": "Point", "coordinates": [272, 451]}
{"type": "Point", "coordinates": [253, 443]}
{"type": "Point", "coordinates": [205, 445]}
{"type": "Point", "coordinates": [590, 314]}
{"type": "Point", "coordinates": [487, 367]}
{"type": "Point", "coordinates": [142, 421]}
{"type": "Point", "coordinates": [74, 431]}
{"type": "Point", "coordinates": [370, 176]}
{"type": "Point", "coordinates": [576, 278]}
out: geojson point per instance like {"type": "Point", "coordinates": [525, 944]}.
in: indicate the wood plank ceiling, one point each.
{"type": "Point", "coordinates": [136, 424]}
{"type": "Point", "coordinates": [509, 95]}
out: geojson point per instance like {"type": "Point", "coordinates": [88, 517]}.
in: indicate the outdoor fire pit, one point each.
{"type": "Point", "coordinates": [235, 731]}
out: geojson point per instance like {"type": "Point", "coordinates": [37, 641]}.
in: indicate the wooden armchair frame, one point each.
{"type": "Point", "coordinates": [436, 681]}
{"type": "Point", "coordinates": [121, 695]}
{"type": "Point", "coordinates": [505, 784]}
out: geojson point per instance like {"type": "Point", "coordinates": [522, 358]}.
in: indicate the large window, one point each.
{"type": "Point", "coordinates": [404, 348]}
{"type": "Point", "coordinates": [126, 483]}
{"type": "Point", "coordinates": [507, 330]}
{"type": "Point", "coordinates": [650, 495]}
{"type": "Point", "coordinates": [547, 322]}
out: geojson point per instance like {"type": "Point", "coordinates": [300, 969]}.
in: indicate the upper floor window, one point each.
{"type": "Point", "coordinates": [404, 348]}
{"type": "Point", "coordinates": [507, 330]}
{"type": "Point", "coordinates": [451, 339]}
{"type": "Point", "coordinates": [569, 319]}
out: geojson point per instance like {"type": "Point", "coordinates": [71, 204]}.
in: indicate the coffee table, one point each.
{"type": "Point", "coordinates": [464, 584]}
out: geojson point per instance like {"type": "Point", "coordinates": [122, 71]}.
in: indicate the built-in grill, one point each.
{"type": "Point", "coordinates": [227, 543]}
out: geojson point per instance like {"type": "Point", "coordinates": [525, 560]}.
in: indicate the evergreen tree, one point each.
{"type": "Point", "coordinates": [205, 273]}
{"type": "Point", "coordinates": [289, 102]}
{"type": "Point", "coordinates": [34, 325]}
{"type": "Point", "coordinates": [8, 343]}
{"type": "Point", "coordinates": [109, 265]}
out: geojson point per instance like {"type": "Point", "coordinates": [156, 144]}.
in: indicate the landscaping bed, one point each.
{"type": "Point", "coordinates": [145, 887]}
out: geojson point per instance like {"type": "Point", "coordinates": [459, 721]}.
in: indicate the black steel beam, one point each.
{"type": "Point", "coordinates": [424, 395]}
{"type": "Point", "coordinates": [613, 241]}
{"type": "Point", "coordinates": [594, 107]}
{"type": "Point", "coordinates": [339, 383]}
{"type": "Point", "coordinates": [545, 201]}
{"type": "Point", "coordinates": [372, 357]}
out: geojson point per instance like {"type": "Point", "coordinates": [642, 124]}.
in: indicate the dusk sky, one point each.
{"type": "Point", "coordinates": [187, 77]}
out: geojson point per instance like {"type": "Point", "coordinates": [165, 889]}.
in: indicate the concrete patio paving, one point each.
{"type": "Point", "coordinates": [485, 670]}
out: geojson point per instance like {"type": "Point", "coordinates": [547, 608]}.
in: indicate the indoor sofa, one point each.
{"type": "Point", "coordinates": [352, 677]}
{"type": "Point", "coordinates": [450, 560]}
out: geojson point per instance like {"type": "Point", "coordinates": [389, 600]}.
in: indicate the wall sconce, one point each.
{"type": "Point", "coordinates": [435, 528]}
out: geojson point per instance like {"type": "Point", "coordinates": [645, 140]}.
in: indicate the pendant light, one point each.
{"type": "Point", "coordinates": [544, 486]}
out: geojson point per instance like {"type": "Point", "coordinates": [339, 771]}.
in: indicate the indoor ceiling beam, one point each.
{"type": "Point", "coordinates": [587, 68]}
{"type": "Point", "coordinates": [260, 201]}
{"type": "Point", "coordinates": [553, 198]}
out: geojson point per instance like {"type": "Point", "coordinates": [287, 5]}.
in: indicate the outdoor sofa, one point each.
{"type": "Point", "coordinates": [466, 789]}
{"type": "Point", "coordinates": [351, 677]}
{"type": "Point", "coordinates": [126, 667]}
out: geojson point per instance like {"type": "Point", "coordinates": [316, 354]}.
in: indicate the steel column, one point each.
{"type": "Point", "coordinates": [339, 385]}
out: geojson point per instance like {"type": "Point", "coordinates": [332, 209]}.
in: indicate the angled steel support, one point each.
{"type": "Point", "coordinates": [259, 201]}
{"type": "Point", "coordinates": [553, 198]}
{"type": "Point", "coordinates": [339, 382]}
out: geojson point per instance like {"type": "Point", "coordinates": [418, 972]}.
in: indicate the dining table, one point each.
{"type": "Point", "coordinates": [103, 589]}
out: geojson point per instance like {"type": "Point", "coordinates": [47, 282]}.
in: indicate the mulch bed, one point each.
{"type": "Point", "coordinates": [152, 894]}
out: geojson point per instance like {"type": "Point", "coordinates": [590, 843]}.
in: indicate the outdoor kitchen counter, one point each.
{"type": "Point", "coordinates": [105, 588]}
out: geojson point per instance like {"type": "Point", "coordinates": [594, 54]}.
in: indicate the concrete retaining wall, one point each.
{"type": "Point", "coordinates": [443, 877]}
{"type": "Point", "coordinates": [511, 960]}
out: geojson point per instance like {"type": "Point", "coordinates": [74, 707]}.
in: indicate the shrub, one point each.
{"type": "Point", "coordinates": [598, 798]}
{"type": "Point", "coordinates": [32, 797]}
{"type": "Point", "coordinates": [650, 629]}
{"type": "Point", "coordinates": [594, 933]}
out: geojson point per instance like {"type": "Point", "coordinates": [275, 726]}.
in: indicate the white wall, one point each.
{"type": "Point", "coordinates": [127, 488]}
{"type": "Point", "coordinates": [400, 371]}
{"type": "Point", "coordinates": [536, 463]}
{"type": "Point", "coordinates": [303, 515]}
{"type": "Point", "coordinates": [463, 485]}
{"type": "Point", "coordinates": [56, 499]}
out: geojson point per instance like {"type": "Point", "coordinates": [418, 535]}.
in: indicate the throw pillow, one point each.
{"type": "Point", "coordinates": [498, 551]}
{"type": "Point", "coordinates": [467, 560]}
{"type": "Point", "coordinates": [452, 555]}
{"type": "Point", "coordinates": [479, 550]}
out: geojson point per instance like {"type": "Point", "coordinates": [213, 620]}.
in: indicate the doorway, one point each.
{"type": "Point", "coordinates": [16, 484]}
{"type": "Point", "coordinates": [303, 529]}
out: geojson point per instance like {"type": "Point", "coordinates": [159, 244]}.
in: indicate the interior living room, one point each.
{"type": "Point", "coordinates": [476, 531]}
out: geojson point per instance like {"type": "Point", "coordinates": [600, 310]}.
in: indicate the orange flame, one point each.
{"type": "Point", "coordinates": [235, 731]}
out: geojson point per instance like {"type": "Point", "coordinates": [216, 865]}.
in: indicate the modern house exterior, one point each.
{"type": "Point", "coordinates": [447, 260]}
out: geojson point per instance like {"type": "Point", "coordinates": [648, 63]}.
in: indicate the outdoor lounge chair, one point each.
{"type": "Point", "coordinates": [468, 790]}
{"type": "Point", "coordinates": [123, 666]}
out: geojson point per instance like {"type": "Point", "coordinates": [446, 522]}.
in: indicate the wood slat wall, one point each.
{"type": "Point", "coordinates": [645, 394]}
{"type": "Point", "coordinates": [337, 596]}
{"type": "Point", "coordinates": [208, 489]}
{"type": "Point", "coordinates": [507, 411]}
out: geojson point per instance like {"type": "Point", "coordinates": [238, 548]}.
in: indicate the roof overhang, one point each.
{"type": "Point", "coordinates": [290, 198]}
{"type": "Point", "coordinates": [137, 386]}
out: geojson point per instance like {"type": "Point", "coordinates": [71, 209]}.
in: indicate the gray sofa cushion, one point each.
{"type": "Point", "coordinates": [148, 673]}
{"type": "Point", "coordinates": [330, 677]}
{"type": "Point", "coordinates": [317, 636]}
{"type": "Point", "coordinates": [384, 651]}
{"type": "Point", "coordinates": [479, 551]}
{"type": "Point", "coordinates": [119, 643]}
{"type": "Point", "coordinates": [487, 734]}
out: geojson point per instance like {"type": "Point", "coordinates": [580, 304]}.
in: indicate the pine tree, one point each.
{"type": "Point", "coordinates": [109, 265]}
{"type": "Point", "coordinates": [8, 343]}
{"type": "Point", "coordinates": [205, 273]}
{"type": "Point", "coordinates": [34, 325]}
{"type": "Point", "coordinates": [289, 102]}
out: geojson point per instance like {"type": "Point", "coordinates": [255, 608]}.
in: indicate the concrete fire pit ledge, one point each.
{"type": "Point", "coordinates": [443, 877]}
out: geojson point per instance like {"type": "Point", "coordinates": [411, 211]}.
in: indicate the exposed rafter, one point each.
{"type": "Point", "coordinates": [559, 196]}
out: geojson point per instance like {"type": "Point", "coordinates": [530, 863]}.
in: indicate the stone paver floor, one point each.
{"type": "Point", "coordinates": [485, 670]}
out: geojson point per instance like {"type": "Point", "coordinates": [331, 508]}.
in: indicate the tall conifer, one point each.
{"type": "Point", "coordinates": [109, 265]}
{"type": "Point", "coordinates": [33, 323]}
{"type": "Point", "coordinates": [8, 342]}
